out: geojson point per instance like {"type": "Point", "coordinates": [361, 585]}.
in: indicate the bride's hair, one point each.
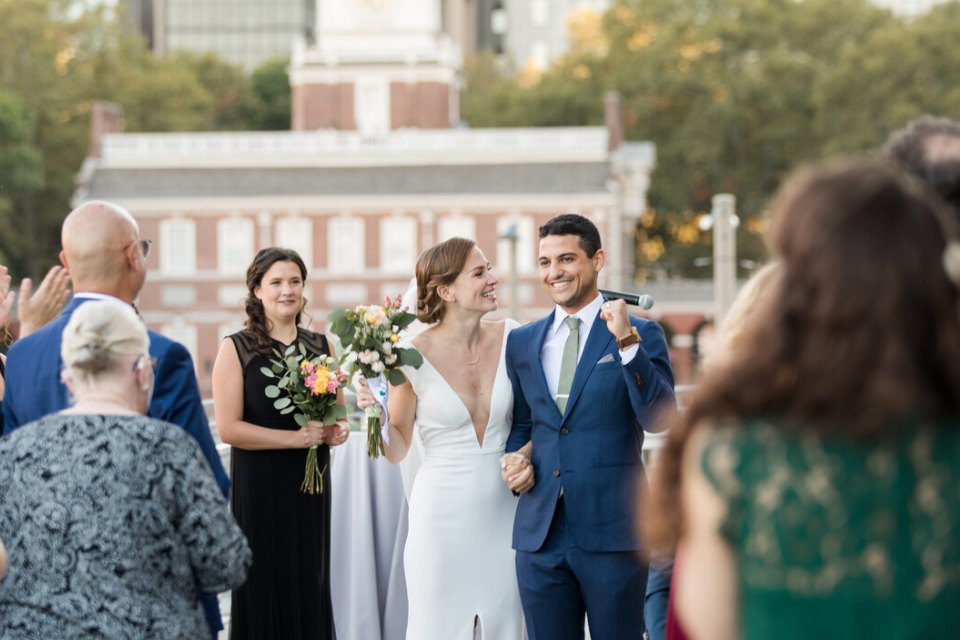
{"type": "Point", "coordinates": [437, 266]}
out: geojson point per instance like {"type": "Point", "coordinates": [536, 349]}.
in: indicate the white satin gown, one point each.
{"type": "Point", "coordinates": [458, 560]}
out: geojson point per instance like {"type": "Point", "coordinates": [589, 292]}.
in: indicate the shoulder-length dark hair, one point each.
{"type": "Point", "coordinates": [257, 325]}
{"type": "Point", "coordinates": [862, 331]}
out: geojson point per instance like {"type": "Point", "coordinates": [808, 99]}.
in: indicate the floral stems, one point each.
{"type": "Point", "coordinates": [313, 475]}
{"type": "Point", "coordinates": [374, 437]}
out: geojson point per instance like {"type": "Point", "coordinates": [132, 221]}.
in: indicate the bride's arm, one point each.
{"type": "Point", "coordinates": [402, 403]}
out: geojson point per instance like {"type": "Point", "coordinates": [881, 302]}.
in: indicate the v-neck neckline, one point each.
{"type": "Point", "coordinates": [496, 377]}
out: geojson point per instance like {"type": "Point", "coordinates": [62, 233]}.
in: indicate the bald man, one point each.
{"type": "Point", "coordinates": [107, 259]}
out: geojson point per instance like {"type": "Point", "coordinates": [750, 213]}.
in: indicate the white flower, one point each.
{"type": "Point", "coordinates": [377, 367]}
{"type": "Point", "coordinates": [374, 356]}
{"type": "Point", "coordinates": [366, 357]}
{"type": "Point", "coordinates": [386, 347]}
{"type": "Point", "coordinates": [350, 358]}
{"type": "Point", "coordinates": [390, 359]}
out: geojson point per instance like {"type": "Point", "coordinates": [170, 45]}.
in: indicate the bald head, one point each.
{"type": "Point", "coordinates": [99, 249]}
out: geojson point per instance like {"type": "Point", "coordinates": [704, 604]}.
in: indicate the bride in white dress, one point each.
{"type": "Point", "coordinates": [458, 561]}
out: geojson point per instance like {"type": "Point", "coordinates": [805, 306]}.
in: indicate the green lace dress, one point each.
{"type": "Point", "coordinates": [842, 539]}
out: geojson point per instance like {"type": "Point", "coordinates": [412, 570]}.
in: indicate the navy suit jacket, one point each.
{"type": "Point", "coordinates": [593, 450]}
{"type": "Point", "coordinates": [34, 388]}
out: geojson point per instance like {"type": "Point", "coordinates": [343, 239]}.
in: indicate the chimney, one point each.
{"type": "Point", "coordinates": [613, 118]}
{"type": "Point", "coordinates": [105, 117]}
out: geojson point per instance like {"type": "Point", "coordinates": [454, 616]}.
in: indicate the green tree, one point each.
{"type": "Point", "coordinates": [268, 107]}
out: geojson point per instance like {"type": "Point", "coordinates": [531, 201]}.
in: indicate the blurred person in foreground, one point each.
{"type": "Point", "coordinates": [107, 260]}
{"type": "Point", "coordinates": [750, 302]}
{"type": "Point", "coordinates": [113, 520]}
{"type": "Point", "coordinates": [287, 594]}
{"type": "Point", "coordinates": [929, 148]}
{"type": "Point", "coordinates": [815, 496]}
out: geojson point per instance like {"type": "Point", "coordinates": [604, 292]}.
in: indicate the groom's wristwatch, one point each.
{"type": "Point", "coordinates": [630, 340]}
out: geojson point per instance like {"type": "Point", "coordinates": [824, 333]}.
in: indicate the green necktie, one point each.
{"type": "Point", "coordinates": [568, 364]}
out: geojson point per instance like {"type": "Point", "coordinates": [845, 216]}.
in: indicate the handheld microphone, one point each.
{"type": "Point", "coordinates": [642, 301]}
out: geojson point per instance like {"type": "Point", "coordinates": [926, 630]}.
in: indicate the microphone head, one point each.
{"type": "Point", "coordinates": [645, 302]}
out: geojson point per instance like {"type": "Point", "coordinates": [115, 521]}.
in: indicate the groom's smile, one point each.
{"type": "Point", "coordinates": [568, 274]}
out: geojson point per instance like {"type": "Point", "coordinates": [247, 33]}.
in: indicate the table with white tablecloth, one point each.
{"type": "Point", "coordinates": [368, 531]}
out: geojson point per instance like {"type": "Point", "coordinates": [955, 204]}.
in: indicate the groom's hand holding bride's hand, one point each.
{"type": "Point", "coordinates": [517, 473]}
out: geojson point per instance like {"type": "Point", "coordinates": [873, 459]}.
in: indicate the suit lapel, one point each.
{"type": "Point", "coordinates": [536, 348]}
{"type": "Point", "coordinates": [597, 343]}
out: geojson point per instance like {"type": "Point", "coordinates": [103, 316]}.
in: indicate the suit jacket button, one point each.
{"type": "Point", "coordinates": [564, 431]}
{"type": "Point", "coordinates": [556, 473]}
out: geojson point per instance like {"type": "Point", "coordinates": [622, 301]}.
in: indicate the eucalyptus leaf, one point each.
{"type": "Point", "coordinates": [339, 412]}
{"type": "Point", "coordinates": [282, 403]}
{"type": "Point", "coordinates": [300, 419]}
{"type": "Point", "coordinates": [289, 409]}
{"type": "Point", "coordinates": [283, 384]}
{"type": "Point", "coordinates": [272, 391]}
{"type": "Point", "coordinates": [267, 372]}
{"type": "Point", "coordinates": [410, 357]}
{"type": "Point", "coordinates": [290, 350]}
{"type": "Point", "coordinates": [396, 377]}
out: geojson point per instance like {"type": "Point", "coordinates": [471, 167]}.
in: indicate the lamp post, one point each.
{"type": "Point", "coordinates": [724, 253]}
{"type": "Point", "coordinates": [510, 235]}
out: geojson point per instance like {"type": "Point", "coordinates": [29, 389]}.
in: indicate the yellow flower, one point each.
{"type": "Point", "coordinates": [394, 337]}
{"type": "Point", "coordinates": [371, 318]}
{"type": "Point", "coordinates": [321, 381]}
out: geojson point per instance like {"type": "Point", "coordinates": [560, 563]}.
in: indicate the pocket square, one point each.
{"type": "Point", "coordinates": [605, 359]}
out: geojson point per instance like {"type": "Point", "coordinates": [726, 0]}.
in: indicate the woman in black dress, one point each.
{"type": "Point", "coordinates": [287, 593]}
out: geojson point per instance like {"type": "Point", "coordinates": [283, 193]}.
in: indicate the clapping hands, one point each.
{"type": "Point", "coordinates": [34, 309]}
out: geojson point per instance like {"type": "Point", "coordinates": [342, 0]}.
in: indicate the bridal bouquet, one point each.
{"type": "Point", "coordinates": [308, 386]}
{"type": "Point", "coordinates": [370, 337]}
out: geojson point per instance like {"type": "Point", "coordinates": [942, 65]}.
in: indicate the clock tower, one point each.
{"type": "Point", "coordinates": [376, 66]}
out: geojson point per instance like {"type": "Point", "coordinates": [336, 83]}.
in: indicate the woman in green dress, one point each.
{"type": "Point", "coordinates": [813, 484]}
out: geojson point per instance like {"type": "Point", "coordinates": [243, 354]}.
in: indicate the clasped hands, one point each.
{"type": "Point", "coordinates": [517, 472]}
{"type": "Point", "coordinates": [316, 433]}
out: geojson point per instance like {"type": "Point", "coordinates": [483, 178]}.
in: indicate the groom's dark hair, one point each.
{"type": "Point", "coordinates": [573, 224]}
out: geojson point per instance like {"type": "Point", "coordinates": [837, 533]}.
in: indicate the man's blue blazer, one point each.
{"type": "Point", "coordinates": [34, 388]}
{"type": "Point", "coordinates": [593, 450]}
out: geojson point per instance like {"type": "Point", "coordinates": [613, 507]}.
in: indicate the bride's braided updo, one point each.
{"type": "Point", "coordinates": [437, 266]}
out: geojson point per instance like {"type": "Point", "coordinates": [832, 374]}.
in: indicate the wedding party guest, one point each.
{"type": "Point", "coordinates": [751, 300]}
{"type": "Point", "coordinates": [460, 578]}
{"type": "Point", "coordinates": [588, 380]}
{"type": "Point", "coordinates": [929, 148]}
{"type": "Point", "coordinates": [34, 309]}
{"type": "Point", "coordinates": [106, 258]}
{"type": "Point", "coordinates": [817, 485]}
{"type": "Point", "coordinates": [113, 520]}
{"type": "Point", "coordinates": [287, 593]}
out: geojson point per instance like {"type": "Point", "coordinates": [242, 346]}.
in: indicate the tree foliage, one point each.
{"type": "Point", "coordinates": [56, 58]}
{"type": "Point", "coordinates": [735, 94]}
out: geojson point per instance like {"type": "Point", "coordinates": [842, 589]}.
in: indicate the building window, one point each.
{"type": "Point", "coordinates": [527, 244]}
{"type": "Point", "coordinates": [398, 244]}
{"type": "Point", "coordinates": [345, 245]}
{"type": "Point", "coordinates": [457, 227]}
{"type": "Point", "coordinates": [371, 98]}
{"type": "Point", "coordinates": [178, 247]}
{"type": "Point", "coordinates": [297, 234]}
{"type": "Point", "coordinates": [539, 12]}
{"type": "Point", "coordinates": [234, 245]}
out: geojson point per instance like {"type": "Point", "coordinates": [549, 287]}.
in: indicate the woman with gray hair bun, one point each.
{"type": "Point", "coordinates": [112, 520]}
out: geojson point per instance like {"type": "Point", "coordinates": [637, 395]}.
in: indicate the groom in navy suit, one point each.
{"type": "Point", "coordinates": [106, 259]}
{"type": "Point", "coordinates": [588, 380]}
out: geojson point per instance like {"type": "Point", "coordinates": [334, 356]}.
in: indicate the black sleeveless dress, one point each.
{"type": "Point", "coordinates": [287, 592]}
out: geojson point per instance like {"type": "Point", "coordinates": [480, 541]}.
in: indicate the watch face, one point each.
{"type": "Point", "coordinates": [373, 5]}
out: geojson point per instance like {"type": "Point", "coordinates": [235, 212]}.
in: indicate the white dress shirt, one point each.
{"type": "Point", "coordinates": [552, 352]}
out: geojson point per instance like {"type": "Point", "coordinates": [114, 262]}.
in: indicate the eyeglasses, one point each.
{"type": "Point", "coordinates": [145, 245]}
{"type": "Point", "coordinates": [142, 359]}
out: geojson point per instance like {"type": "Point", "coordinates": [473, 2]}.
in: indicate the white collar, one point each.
{"type": "Point", "coordinates": [587, 315]}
